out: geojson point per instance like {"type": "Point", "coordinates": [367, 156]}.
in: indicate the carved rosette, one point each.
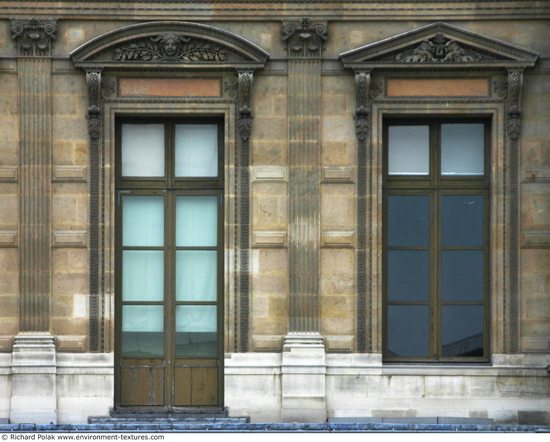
{"type": "Point", "coordinates": [34, 37]}
{"type": "Point", "coordinates": [304, 39]}
{"type": "Point", "coordinates": [169, 47]}
{"type": "Point", "coordinates": [515, 86]}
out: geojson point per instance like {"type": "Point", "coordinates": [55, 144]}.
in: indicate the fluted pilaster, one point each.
{"type": "Point", "coordinates": [34, 39]}
{"type": "Point", "coordinates": [305, 43]}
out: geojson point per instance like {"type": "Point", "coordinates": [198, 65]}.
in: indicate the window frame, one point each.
{"type": "Point", "coordinates": [436, 185]}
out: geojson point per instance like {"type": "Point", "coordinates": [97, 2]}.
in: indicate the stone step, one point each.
{"type": "Point", "coordinates": [152, 419]}
{"type": "Point", "coordinates": [274, 427]}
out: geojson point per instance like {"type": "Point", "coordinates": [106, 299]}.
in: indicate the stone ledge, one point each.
{"type": "Point", "coordinates": [270, 173]}
{"type": "Point", "coordinates": [69, 238]}
{"type": "Point", "coordinates": [269, 239]}
{"type": "Point", "coordinates": [337, 175]}
{"type": "Point", "coordinates": [8, 174]}
{"type": "Point", "coordinates": [536, 240]}
{"type": "Point", "coordinates": [338, 239]}
{"type": "Point", "coordinates": [69, 174]}
{"type": "Point", "coordinates": [8, 238]}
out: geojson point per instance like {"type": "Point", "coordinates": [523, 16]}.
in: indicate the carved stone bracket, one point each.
{"type": "Point", "coordinates": [515, 86]}
{"type": "Point", "coordinates": [362, 111]}
{"type": "Point", "coordinates": [244, 129]}
{"type": "Point", "coordinates": [304, 39]}
{"type": "Point", "coordinates": [93, 79]}
{"type": "Point", "coordinates": [34, 37]}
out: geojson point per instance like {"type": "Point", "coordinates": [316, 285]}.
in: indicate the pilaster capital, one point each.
{"type": "Point", "coordinates": [34, 36]}
{"type": "Point", "coordinates": [304, 39]}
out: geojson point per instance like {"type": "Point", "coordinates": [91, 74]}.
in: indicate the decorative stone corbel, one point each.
{"type": "Point", "coordinates": [244, 129]}
{"type": "Point", "coordinates": [34, 37]}
{"type": "Point", "coordinates": [362, 108]}
{"type": "Point", "coordinates": [515, 86]}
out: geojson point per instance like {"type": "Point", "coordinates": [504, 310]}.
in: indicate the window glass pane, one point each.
{"type": "Point", "coordinates": [196, 150]}
{"type": "Point", "coordinates": [142, 330]}
{"type": "Point", "coordinates": [462, 330]}
{"type": "Point", "coordinates": [462, 220]}
{"type": "Point", "coordinates": [462, 149]}
{"type": "Point", "coordinates": [408, 220]}
{"type": "Point", "coordinates": [196, 275]}
{"type": "Point", "coordinates": [408, 327]}
{"type": "Point", "coordinates": [408, 275]}
{"type": "Point", "coordinates": [409, 150]}
{"type": "Point", "coordinates": [196, 221]}
{"type": "Point", "coordinates": [196, 330]}
{"type": "Point", "coordinates": [462, 275]}
{"type": "Point", "coordinates": [143, 150]}
{"type": "Point", "coordinates": [142, 275]}
{"type": "Point", "coordinates": [143, 221]}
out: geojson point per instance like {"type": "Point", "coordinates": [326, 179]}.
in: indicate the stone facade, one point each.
{"type": "Point", "coordinates": [303, 88]}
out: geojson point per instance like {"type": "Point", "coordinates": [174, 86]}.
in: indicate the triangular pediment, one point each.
{"type": "Point", "coordinates": [169, 44]}
{"type": "Point", "coordinates": [439, 45]}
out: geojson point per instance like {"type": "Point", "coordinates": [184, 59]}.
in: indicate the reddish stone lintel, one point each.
{"type": "Point", "coordinates": [437, 87]}
{"type": "Point", "coordinates": [170, 87]}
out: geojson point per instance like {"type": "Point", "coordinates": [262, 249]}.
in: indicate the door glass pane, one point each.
{"type": "Point", "coordinates": [462, 149]}
{"type": "Point", "coordinates": [142, 330]}
{"type": "Point", "coordinates": [196, 330]}
{"type": "Point", "coordinates": [196, 221]}
{"type": "Point", "coordinates": [142, 275]}
{"type": "Point", "coordinates": [143, 150]}
{"type": "Point", "coordinates": [408, 275]}
{"type": "Point", "coordinates": [408, 220]}
{"type": "Point", "coordinates": [462, 220]}
{"type": "Point", "coordinates": [196, 150]}
{"type": "Point", "coordinates": [196, 275]}
{"type": "Point", "coordinates": [408, 327]}
{"type": "Point", "coordinates": [462, 275]}
{"type": "Point", "coordinates": [143, 221]}
{"type": "Point", "coordinates": [462, 330]}
{"type": "Point", "coordinates": [409, 150]}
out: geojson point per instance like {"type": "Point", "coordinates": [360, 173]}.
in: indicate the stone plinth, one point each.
{"type": "Point", "coordinates": [33, 379]}
{"type": "Point", "coordinates": [303, 372]}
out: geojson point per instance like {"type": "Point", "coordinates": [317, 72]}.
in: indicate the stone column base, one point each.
{"type": "Point", "coordinates": [34, 370]}
{"type": "Point", "coordinates": [303, 371]}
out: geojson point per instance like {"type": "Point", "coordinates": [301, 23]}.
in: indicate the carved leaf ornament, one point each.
{"type": "Point", "coordinates": [169, 47]}
{"type": "Point", "coordinates": [438, 49]}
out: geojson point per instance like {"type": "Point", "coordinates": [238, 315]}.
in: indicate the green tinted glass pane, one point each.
{"type": "Point", "coordinates": [408, 220]}
{"type": "Point", "coordinates": [462, 220]}
{"type": "Point", "coordinates": [408, 275]}
{"type": "Point", "coordinates": [408, 330]}
{"type": "Point", "coordinates": [462, 149]}
{"type": "Point", "coordinates": [142, 275]}
{"type": "Point", "coordinates": [197, 221]}
{"type": "Point", "coordinates": [142, 330]}
{"type": "Point", "coordinates": [462, 330]}
{"type": "Point", "coordinates": [143, 150]}
{"type": "Point", "coordinates": [196, 150]}
{"type": "Point", "coordinates": [409, 150]}
{"type": "Point", "coordinates": [463, 274]}
{"type": "Point", "coordinates": [196, 330]}
{"type": "Point", "coordinates": [142, 221]}
{"type": "Point", "coordinates": [196, 275]}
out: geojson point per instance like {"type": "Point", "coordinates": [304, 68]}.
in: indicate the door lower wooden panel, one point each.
{"type": "Point", "coordinates": [196, 382]}
{"type": "Point", "coordinates": [143, 383]}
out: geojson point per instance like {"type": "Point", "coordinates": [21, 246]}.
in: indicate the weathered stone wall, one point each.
{"type": "Point", "coordinates": [366, 388]}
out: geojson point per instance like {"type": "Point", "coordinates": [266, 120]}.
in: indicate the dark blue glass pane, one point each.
{"type": "Point", "coordinates": [408, 275]}
{"type": "Point", "coordinates": [408, 327]}
{"type": "Point", "coordinates": [462, 330]}
{"type": "Point", "coordinates": [408, 220]}
{"type": "Point", "coordinates": [462, 220]}
{"type": "Point", "coordinates": [462, 275]}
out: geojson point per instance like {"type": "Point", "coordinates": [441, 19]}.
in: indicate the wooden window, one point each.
{"type": "Point", "coordinates": [436, 240]}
